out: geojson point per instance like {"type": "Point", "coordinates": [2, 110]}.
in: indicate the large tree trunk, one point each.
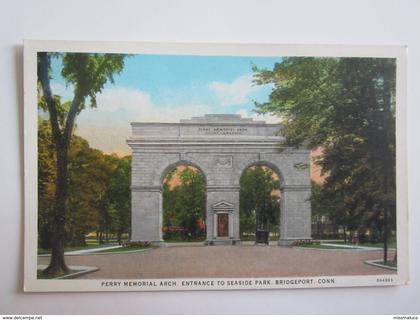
{"type": "Point", "coordinates": [345, 234]}
{"type": "Point", "coordinates": [386, 235]}
{"type": "Point", "coordinates": [389, 162]}
{"type": "Point", "coordinates": [57, 264]}
{"type": "Point", "coordinates": [101, 235]}
{"type": "Point", "coordinates": [119, 236]}
{"type": "Point", "coordinates": [61, 141]}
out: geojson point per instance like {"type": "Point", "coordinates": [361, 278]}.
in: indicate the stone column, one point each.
{"type": "Point", "coordinates": [218, 195]}
{"type": "Point", "coordinates": [295, 214]}
{"type": "Point", "coordinates": [146, 219]}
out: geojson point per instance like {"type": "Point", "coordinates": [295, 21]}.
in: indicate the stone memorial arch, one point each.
{"type": "Point", "coordinates": [222, 146]}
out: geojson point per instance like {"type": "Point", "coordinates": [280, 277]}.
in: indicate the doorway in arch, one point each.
{"type": "Point", "coordinates": [221, 146]}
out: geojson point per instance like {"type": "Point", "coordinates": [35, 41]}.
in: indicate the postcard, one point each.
{"type": "Point", "coordinates": [163, 166]}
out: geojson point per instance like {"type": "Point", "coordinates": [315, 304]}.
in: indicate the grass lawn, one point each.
{"type": "Point", "coordinates": [89, 245]}
{"type": "Point", "coordinates": [186, 240]}
{"type": "Point", "coordinates": [338, 241]}
{"type": "Point", "coordinates": [318, 246]}
{"type": "Point", "coordinates": [41, 275]}
{"type": "Point", "coordinates": [391, 244]}
{"type": "Point", "coordinates": [125, 249]}
{"type": "Point", "coordinates": [389, 263]}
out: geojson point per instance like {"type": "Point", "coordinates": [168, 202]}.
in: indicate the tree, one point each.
{"type": "Point", "coordinates": [346, 106]}
{"type": "Point", "coordinates": [259, 203]}
{"type": "Point", "coordinates": [184, 205]}
{"type": "Point", "coordinates": [89, 177]}
{"type": "Point", "coordinates": [98, 191]}
{"type": "Point", "coordinates": [46, 183]}
{"type": "Point", "coordinates": [88, 73]}
{"type": "Point", "coordinates": [170, 197]}
{"type": "Point", "coordinates": [119, 205]}
{"type": "Point", "coordinates": [192, 207]}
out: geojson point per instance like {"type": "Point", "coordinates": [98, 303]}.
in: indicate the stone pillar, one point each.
{"type": "Point", "coordinates": [146, 219]}
{"type": "Point", "coordinates": [222, 199]}
{"type": "Point", "coordinates": [295, 218]}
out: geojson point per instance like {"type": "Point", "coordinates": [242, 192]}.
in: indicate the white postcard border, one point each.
{"type": "Point", "coordinates": [31, 47]}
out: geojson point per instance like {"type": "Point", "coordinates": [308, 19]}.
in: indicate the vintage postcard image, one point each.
{"type": "Point", "coordinates": [214, 166]}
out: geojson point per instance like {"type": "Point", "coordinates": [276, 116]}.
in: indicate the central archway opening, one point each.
{"type": "Point", "coordinates": [184, 204]}
{"type": "Point", "coordinates": [259, 198]}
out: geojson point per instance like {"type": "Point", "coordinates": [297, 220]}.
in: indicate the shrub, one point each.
{"type": "Point", "coordinates": [137, 244]}
{"type": "Point", "coordinates": [300, 243]}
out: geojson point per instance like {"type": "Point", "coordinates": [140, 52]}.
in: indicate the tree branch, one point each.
{"type": "Point", "coordinates": [44, 79]}
{"type": "Point", "coordinates": [77, 101]}
{"type": "Point", "coordinates": [71, 116]}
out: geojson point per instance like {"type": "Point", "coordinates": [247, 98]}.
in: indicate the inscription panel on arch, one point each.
{"type": "Point", "coordinates": [227, 131]}
{"type": "Point", "coordinates": [223, 161]}
{"type": "Point", "coordinates": [222, 131]}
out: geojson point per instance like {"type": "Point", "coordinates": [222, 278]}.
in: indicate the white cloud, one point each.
{"type": "Point", "coordinates": [268, 118]}
{"type": "Point", "coordinates": [108, 126]}
{"type": "Point", "coordinates": [234, 93]}
{"type": "Point", "coordinates": [120, 106]}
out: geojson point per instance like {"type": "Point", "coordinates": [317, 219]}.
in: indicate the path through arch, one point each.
{"type": "Point", "coordinates": [259, 209]}
{"type": "Point", "coordinates": [184, 204]}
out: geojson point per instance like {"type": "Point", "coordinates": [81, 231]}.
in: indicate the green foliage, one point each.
{"type": "Point", "coordinates": [346, 106]}
{"type": "Point", "coordinates": [137, 244]}
{"type": "Point", "coordinates": [184, 205]}
{"type": "Point", "coordinates": [259, 203]}
{"type": "Point", "coordinates": [119, 196]}
{"type": "Point", "coordinates": [99, 190]}
{"type": "Point", "coordinates": [304, 97]}
{"type": "Point", "coordinates": [46, 183]}
{"type": "Point", "coordinates": [89, 72]}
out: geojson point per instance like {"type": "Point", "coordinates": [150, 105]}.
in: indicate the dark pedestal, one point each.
{"type": "Point", "coordinates": [261, 236]}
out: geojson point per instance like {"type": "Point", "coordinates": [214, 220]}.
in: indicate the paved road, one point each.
{"type": "Point", "coordinates": [227, 261]}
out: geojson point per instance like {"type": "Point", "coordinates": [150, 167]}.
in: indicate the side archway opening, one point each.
{"type": "Point", "coordinates": [259, 198]}
{"type": "Point", "coordinates": [183, 204]}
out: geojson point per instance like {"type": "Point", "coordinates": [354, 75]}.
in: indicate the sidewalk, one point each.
{"type": "Point", "coordinates": [356, 247]}
{"type": "Point", "coordinates": [81, 252]}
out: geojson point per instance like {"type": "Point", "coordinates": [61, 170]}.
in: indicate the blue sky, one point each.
{"type": "Point", "coordinates": [167, 88]}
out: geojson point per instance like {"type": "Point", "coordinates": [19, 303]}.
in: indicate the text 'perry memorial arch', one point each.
{"type": "Point", "coordinates": [222, 147]}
